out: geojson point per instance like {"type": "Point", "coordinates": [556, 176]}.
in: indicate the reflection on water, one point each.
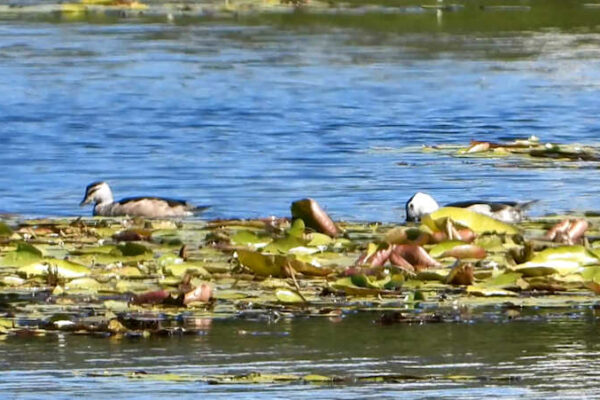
{"type": "Point", "coordinates": [251, 117]}
{"type": "Point", "coordinates": [555, 358]}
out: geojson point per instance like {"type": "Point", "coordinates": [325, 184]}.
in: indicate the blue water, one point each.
{"type": "Point", "coordinates": [251, 118]}
{"type": "Point", "coordinates": [249, 115]}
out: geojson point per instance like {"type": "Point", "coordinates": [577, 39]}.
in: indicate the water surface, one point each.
{"type": "Point", "coordinates": [547, 358]}
{"type": "Point", "coordinates": [250, 114]}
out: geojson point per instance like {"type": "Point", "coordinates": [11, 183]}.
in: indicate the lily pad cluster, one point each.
{"type": "Point", "coordinates": [527, 152]}
{"type": "Point", "coordinates": [139, 278]}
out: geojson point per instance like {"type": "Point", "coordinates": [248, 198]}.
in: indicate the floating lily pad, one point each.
{"type": "Point", "coordinates": [262, 264]}
{"type": "Point", "coordinates": [181, 269]}
{"type": "Point", "coordinates": [62, 268]}
{"type": "Point", "coordinates": [563, 260]}
{"type": "Point", "coordinates": [248, 238]}
{"type": "Point", "coordinates": [489, 292]}
{"type": "Point", "coordinates": [478, 223]}
{"type": "Point", "coordinates": [25, 254]}
{"type": "Point", "coordinates": [5, 230]}
{"type": "Point", "coordinates": [288, 296]}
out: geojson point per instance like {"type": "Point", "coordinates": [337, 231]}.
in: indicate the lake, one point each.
{"type": "Point", "coordinates": [250, 111]}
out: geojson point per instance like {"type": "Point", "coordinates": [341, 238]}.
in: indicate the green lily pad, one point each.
{"type": "Point", "coordinates": [288, 296]}
{"type": "Point", "coordinates": [501, 281]}
{"type": "Point", "coordinates": [347, 285]}
{"type": "Point", "coordinates": [181, 269]}
{"type": "Point", "coordinates": [317, 378]}
{"type": "Point", "coordinates": [5, 230]}
{"type": "Point", "coordinates": [283, 245]}
{"type": "Point", "coordinates": [591, 274]}
{"type": "Point", "coordinates": [248, 238]}
{"type": "Point", "coordinates": [319, 239]}
{"type": "Point", "coordinates": [137, 286]}
{"type": "Point", "coordinates": [297, 229]}
{"type": "Point", "coordinates": [25, 254]}
{"type": "Point", "coordinates": [63, 268]}
{"type": "Point", "coordinates": [262, 264]}
{"type": "Point", "coordinates": [433, 274]}
{"type": "Point", "coordinates": [126, 272]}
{"type": "Point", "coordinates": [87, 284]}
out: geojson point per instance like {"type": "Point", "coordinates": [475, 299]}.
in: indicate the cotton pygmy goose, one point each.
{"type": "Point", "coordinates": [506, 211]}
{"type": "Point", "coordinates": [418, 205]}
{"type": "Point", "coordinates": [101, 196]}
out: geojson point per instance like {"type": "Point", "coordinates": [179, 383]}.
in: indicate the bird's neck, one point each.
{"type": "Point", "coordinates": [101, 207]}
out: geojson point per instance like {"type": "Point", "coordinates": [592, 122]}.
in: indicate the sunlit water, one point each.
{"type": "Point", "coordinates": [249, 118]}
{"type": "Point", "coordinates": [251, 115]}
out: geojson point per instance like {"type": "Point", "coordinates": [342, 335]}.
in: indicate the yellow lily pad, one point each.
{"type": "Point", "coordinates": [478, 223]}
{"type": "Point", "coordinates": [63, 268]}
{"type": "Point", "coordinates": [563, 260]}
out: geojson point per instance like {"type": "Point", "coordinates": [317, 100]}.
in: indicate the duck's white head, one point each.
{"type": "Point", "coordinates": [419, 205]}
{"type": "Point", "coordinates": [97, 193]}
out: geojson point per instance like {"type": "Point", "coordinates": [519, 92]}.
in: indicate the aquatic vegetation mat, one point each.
{"type": "Point", "coordinates": [260, 378]}
{"type": "Point", "coordinates": [142, 278]}
{"type": "Point", "coordinates": [526, 153]}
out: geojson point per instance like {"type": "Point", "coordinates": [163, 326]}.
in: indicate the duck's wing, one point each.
{"type": "Point", "coordinates": [156, 207]}
{"type": "Point", "coordinates": [494, 206]}
{"type": "Point", "coordinates": [169, 202]}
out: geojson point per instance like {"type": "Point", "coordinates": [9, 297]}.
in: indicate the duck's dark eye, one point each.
{"type": "Point", "coordinates": [411, 206]}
